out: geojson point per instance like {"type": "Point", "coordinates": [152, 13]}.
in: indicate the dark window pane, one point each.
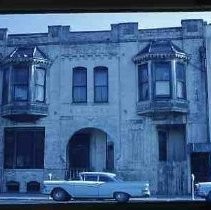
{"type": "Point", "coordinates": [143, 82]}
{"type": "Point", "coordinates": [90, 177]}
{"type": "Point", "coordinates": [9, 145]}
{"type": "Point", "coordinates": [20, 92]}
{"type": "Point", "coordinates": [39, 149]}
{"type": "Point", "coordinates": [143, 73]}
{"type": "Point", "coordinates": [101, 78]}
{"type": "Point", "coordinates": [20, 75]}
{"type": "Point", "coordinates": [162, 71]}
{"type": "Point", "coordinates": [105, 179]}
{"type": "Point", "coordinates": [5, 92]}
{"type": "Point", "coordinates": [162, 139]}
{"type": "Point", "coordinates": [24, 158]}
{"type": "Point", "coordinates": [79, 77]}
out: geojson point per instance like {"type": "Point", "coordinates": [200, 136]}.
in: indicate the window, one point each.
{"type": "Point", "coordinates": [40, 84]}
{"type": "Point", "coordinates": [162, 79]}
{"type": "Point", "coordinates": [180, 75]}
{"type": "Point", "coordinates": [24, 148]}
{"type": "Point", "coordinates": [162, 139]}
{"type": "Point", "coordinates": [143, 82]}
{"type": "Point", "coordinates": [20, 83]}
{"type": "Point", "coordinates": [110, 157]}
{"type": "Point", "coordinates": [33, 186]}
{"type": "Point", "coordinates": [79, 84]}
{"type": "Point", "coordinates": [5, 92]}
{"type": "Point", "coordinates": [101, 84]}
{"type": "Point", "coordinates": [105, 179]}
{"type": "Point", "coordinates": [90, 177]}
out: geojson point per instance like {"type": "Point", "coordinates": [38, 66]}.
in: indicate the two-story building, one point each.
{"type": "Point", "coordinates": [127, 100]}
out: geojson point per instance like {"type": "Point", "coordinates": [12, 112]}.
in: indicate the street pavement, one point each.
{"type": "Point", "coordinates": [25, 198]}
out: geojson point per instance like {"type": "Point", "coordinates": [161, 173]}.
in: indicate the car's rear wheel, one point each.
{"type": "Point", "coordinates": [121, 197]}
{"type": "Point", "coordinates": [208, 198]}
{"type": "Point", "coordinates": [59, 194]}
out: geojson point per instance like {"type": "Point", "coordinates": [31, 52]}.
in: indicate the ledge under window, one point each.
{"type": "Point", "coordinates": [24, 111]}
{"type": "Point", "coordinates": [162, 106]}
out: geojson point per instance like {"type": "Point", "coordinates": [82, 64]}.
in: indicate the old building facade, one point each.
{"type": "Point", "coordinates": [128, 100]}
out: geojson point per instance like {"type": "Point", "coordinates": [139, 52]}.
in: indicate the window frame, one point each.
{"type": "Point", "coordinates": [38, 85]}
{"type": "Point", "coordinates": [20, 84]}
{"type": "Point", "coordinates": [183, 81]}
{"type": "Point", "coordinates": [75, 69]}
{"type": "Point", "coordinates": [96, 70]}
{"type": "Point", "coordinates": [141, 83]}
{"type": "Point", "coordinates": [5, 93]}
{"type": "Point", "coordinates": [162, 96]}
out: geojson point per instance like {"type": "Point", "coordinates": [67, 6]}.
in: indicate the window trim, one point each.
{"type": "Point", "coordinates": [75, 69]}
{"type": "Point", "coordinates": [98, 69]}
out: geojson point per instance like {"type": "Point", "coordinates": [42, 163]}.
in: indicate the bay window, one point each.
{"type": "Point", "coordinates": [162, 79]}
{"type": "Point", "coordinates": [101, 84]}
{"type": "Point", "coordinates": [79, 85]}
{"type": "Point", "coordinates": [143, 82]}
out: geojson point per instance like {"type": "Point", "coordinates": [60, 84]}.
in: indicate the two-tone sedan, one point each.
{"type": "Point", "coordinates": [97, 185]}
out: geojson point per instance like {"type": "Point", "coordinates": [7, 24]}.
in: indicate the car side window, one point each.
{"type": "Point", "coordinates": [90, 177]}
{"type": "Point", "coordinates": [105, 179]}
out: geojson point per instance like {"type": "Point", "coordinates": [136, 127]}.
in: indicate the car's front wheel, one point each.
{"type": "Point", "coordinates": [121, 197]}
{"type": "Point", "coordinates": [59, 194]}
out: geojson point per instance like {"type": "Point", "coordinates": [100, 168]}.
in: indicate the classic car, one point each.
{"type": "Point", "coordinates": [97, 185]}
{"type": "Point", "coordinates": [203, 190]}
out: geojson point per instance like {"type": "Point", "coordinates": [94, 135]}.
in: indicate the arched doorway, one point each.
{"type": "Point", "coordinates": [87, 150]}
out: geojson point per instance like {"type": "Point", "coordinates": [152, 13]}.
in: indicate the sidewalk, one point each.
{"type": "Point", "coordinates": [40, 196]}
{"type": "Point", "coordinates": [23, 196]}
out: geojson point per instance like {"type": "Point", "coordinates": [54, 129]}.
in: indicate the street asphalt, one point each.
{"type": "Point", "coordinates": [41, 198]}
